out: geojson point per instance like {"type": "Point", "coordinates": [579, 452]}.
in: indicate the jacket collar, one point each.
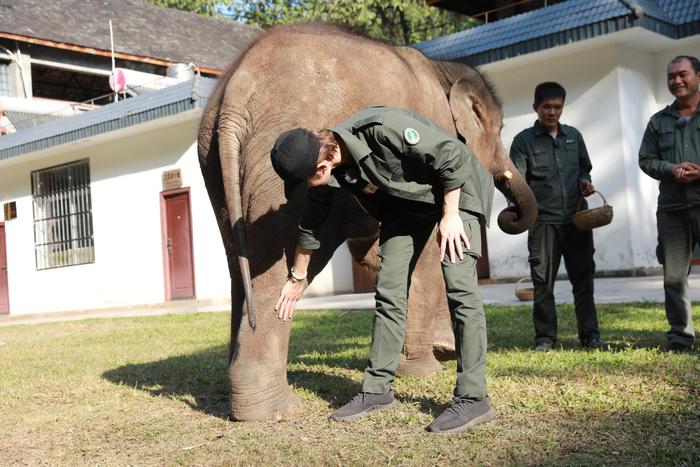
{"type": "Point", "coordinates": [672, 110]}
{"type": "Point", "coordinates": [356, 147]}
{"type": "Point", "coordinates": [540, 130]}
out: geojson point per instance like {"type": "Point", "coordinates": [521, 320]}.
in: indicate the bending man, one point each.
{"type": "Point", "coordinates": [410, 175]}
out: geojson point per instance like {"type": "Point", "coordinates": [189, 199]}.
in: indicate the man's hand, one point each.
{"type": "Point", "coordinates": [451, 235]}
{"type": "Point", "coordinates": [291, 292]}
{"type": "Point", "coordinates": [586, 188]}
{"type": "Point", "coordinates": [686, 172]}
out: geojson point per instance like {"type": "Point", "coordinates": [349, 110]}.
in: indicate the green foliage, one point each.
{"type": "Point", "coordinates": [202, 7]}
{"type": "Point", "coordinates": [399, 21]}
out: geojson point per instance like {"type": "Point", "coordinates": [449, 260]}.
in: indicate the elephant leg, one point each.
{"type": "Point", "coordinates": [258, 370]}
{"type": "Point", "coordinates": [427, 294]}
{"type": "Point", "coordinates": [258, 367]}
{"type": "Point", "coordinates": [427, 334]}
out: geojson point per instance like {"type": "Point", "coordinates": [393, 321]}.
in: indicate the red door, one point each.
{"type": "Point", "coordinates": [4, 295]}
{"type": "Point", "coordinates": [177, 245]}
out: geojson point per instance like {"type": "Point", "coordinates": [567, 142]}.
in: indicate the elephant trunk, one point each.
{"type": "Point", "coordinates": [522, 213]}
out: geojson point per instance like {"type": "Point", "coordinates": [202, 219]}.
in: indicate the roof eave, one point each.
{"type": "Point", "coordinates": [588, 31]}
{"type": "Point", "coordinates": [99, 52]}
{"type": "Point", "coordinates": [187, 96]}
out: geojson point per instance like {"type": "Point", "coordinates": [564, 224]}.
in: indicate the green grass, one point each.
{"type": "Point", "coordinates": [153, 391]}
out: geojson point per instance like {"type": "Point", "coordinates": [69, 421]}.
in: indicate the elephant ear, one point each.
{"type": "Point", "coordinates": [468, 111]}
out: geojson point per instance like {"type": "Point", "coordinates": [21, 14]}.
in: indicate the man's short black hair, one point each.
{"type": "Point", "coordinates": [694, 62]}
{"type": "Point", "coordinates": [549, 90]}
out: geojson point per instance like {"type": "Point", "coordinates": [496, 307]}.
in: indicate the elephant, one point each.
{"type": "Point", "coordinates": [313, 76]}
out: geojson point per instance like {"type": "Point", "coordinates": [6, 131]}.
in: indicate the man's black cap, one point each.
{"type": "Point", "coordinates": [294, 155]}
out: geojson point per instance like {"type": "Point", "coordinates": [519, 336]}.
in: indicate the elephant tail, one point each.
{"type": "Point", "coordinates": [231, 137]}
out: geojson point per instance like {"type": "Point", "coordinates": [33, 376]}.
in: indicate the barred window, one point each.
{"type": "Point", "coordinates": [4, 79]}
{"type": "Point", "coordinates": [63, 215]}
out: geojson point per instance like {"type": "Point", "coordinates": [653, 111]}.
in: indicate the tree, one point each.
{"type": "Point", "coordinates": [202, 7]}
{"type": "Point", "coordinates": [400, 21]}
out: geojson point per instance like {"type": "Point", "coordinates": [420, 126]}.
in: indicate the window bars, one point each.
{"type": "Point", "coordinates": [63, 233]}
{"type": "Point", "coordinates": [4, 79]}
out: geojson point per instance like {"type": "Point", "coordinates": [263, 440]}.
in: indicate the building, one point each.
{"type": "Point", "coordinates": [611, 56]}
{"type": "Point", "coordinates": [103, 202]}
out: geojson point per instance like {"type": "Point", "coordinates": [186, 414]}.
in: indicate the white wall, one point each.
{"type": "Point", "coordinates": [590, 79]}
{"type": "Point", "coordinates": [613, 87]}
{"type": "Point", "coordinates": [126, 168]}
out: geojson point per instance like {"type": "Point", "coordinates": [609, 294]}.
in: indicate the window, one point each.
{"type": "Point", "coordinates": [4, 79]}
{"type": "Point", "coordinates": [63, 215]}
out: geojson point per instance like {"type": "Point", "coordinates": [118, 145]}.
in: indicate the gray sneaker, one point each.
{"type": "Point", "coordinates": [362, 404]}
{"type": "Point", "coordinates": [463, 413]}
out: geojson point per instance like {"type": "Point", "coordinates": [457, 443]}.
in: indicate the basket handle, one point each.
{"type": "Point", "coordinates": [580, 198]}
{"type": "Point", "coordinates": [520, 281]}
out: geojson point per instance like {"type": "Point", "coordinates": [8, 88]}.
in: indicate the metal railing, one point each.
{"type": "Point", "coordinates": [63, 234]}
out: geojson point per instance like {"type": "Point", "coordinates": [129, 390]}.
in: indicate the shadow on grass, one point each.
{"type": "Point", "coordinates": [622, 326]}
{"type": "Point", "coordinates": [341, 341]}
{"type": "Point", "coordinates": [200, 380]}
{"type": "Point", "coordinates": [338, 390]}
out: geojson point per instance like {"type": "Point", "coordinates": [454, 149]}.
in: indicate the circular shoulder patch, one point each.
{"type": "Point", "coordinates": [411, 136]}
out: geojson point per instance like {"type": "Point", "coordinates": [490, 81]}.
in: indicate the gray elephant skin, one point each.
{"type": "Point", "coordinates": [314, 76]}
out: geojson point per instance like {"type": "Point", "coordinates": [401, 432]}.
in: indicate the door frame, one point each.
{"type": "Point", "coordinates": [3, 246]}
{"type": "Point", "coordinates": [164, 238]}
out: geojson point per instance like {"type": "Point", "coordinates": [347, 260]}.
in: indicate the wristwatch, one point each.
{"type": "Point", "coordinates": [294, 278]}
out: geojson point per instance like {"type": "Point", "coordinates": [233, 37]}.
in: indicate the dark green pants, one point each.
{"type": "Point", "coordinates": [401, 243]}
{"type": "Point", "coordinates": [547, 243]}
{"type": "Point", "coordinates": [679, 232]}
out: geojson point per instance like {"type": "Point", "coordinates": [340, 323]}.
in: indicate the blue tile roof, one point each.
{"type": "Point", "coordinates": [681, 11]}
{"type": "Point", "coordinates": [562, 23]}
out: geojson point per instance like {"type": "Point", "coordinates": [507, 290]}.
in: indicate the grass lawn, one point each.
{"type": "Point", "coordinates": [153, 390]}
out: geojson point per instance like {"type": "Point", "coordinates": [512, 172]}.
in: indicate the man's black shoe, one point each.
{"type": "Point", "coordinates": [544, 346]}
{"type": "Point", "coordinates": [362, 404]}
{"type": "Point", "coordinates": [463, 413]}
{"type": "Point", "coordinates": [592, 344]}
{"type": "Point", "coordinates": [678, 347]}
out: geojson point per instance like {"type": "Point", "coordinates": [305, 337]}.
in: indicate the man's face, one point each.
{"type": "Point", "coordinates": [322, 175]}
{"type": "Point", "coordinates": [549, 111]}
{"type": "Point", "coordinates": [681, 79]}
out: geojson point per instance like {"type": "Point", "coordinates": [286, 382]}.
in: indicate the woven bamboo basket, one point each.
{"type": "Point", "coordinates": [524, 294]}
{"type": "Point", "coordinates": [588, 219]}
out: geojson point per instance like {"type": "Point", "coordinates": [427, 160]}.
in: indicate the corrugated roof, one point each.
{"type": "Point", "coordinates": [566, 22]}
{"type": "Point", "coordinates": [147, 107]}
{"type": "Point", "coordinates": [139, 29]}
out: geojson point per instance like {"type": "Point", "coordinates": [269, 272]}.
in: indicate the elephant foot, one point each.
{"type": "Point", "coordinates": [444, 344]}
{"type": "Point", "coordinates": [424, 365]}
{"type": "Point", "coordinates": [281, 403]}
{"type": "Point", "coordinates": [444, 351]}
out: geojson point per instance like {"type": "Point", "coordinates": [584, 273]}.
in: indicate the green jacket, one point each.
{"type": "Point", "coordinates": [401, 159]}
{"type": "Point", "coordinates": [553, 168]}
{"type": "Point", "coordinates": [666, 143]}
